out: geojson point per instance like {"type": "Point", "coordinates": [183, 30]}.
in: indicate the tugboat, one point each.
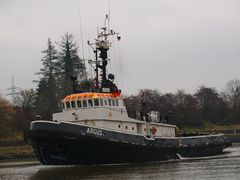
{"type": "Point", "coordinates": [94, 127]}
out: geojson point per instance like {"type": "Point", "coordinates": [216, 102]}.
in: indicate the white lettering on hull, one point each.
{"type": "Point", "coordinates": [96, 132]}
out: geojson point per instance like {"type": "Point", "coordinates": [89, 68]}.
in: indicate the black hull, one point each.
{"type": "Point", "coordinates": [64, 143]}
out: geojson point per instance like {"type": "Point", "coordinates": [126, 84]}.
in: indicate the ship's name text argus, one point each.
{"type": "Point", "coordinates": [96, 132]}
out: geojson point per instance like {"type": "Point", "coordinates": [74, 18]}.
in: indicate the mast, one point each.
{"type": "Point", "coordinates": [102, 44]}
{"type": "Point", "coordinates": [96, 69]}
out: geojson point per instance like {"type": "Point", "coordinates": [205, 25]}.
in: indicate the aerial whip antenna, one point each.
{"type": "Point", "coordinates": [81, 37]}
{"type": "Point", "coordinates": [108, 15]}
{"type": "Point", "coordinates": [80, 25]}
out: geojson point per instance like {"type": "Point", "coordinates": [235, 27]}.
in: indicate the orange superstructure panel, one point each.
{"type": "Point", "coordinates": [89, 95]}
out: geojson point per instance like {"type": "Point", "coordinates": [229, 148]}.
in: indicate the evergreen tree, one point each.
{"type": "Point", "coordinates": [49, 61]}
{"type": "Point", "coordinates": [25, 104]}
{"type": "Point", "coordinates": [69, 64]}
{"type": "Point", "coordinates": [46, 100]}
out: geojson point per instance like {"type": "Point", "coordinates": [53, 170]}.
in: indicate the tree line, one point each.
{"type": "Point", "coordinates": [205, 106]}
{"type": "Point", "coordinates": [62, 66]}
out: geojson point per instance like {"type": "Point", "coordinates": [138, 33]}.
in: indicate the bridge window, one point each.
{"type": "Point", "coordinates": [105, 102]}
{"type": "Point", "coordinates": [117, 104]}
{"type": "Point", "coordinates": [113, 102]}
{"type": "Point", "coordinates": [90, 102]}
{"type": "Point", "coordinates": [109, 102]}
{"type": "Point", "coordinates": [73, 104]}
{"type": "Point", "coordinates": [96, 102]}
{"type": "Point", "coordinates": [123, 103]}
{"type": "Point", "coordinates": [79, 103]}
{"type": "Point", "coordinates": [101, 102]}
{"type": "Point", "coordinates": [63, 105]}
{"type": "Point", "coordinates": [68, 104]}
{"type": "Point", "coordinates": [84, 103]}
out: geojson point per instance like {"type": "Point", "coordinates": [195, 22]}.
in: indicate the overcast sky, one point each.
{"type": "Point", "coordinates": [166, 44]}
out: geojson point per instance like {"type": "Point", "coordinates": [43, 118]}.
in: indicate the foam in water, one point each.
{"type": "Point", "coordinates": [179, 156]}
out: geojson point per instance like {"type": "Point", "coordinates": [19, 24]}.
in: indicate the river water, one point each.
{"type": "Point", "coordinates": [223, 166]}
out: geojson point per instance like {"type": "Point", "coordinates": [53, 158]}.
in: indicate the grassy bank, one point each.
{"type": "Point", "coordinates": [211, 127]}
{"type": "Point", "coordinates": [12, 139]}
{"type": "Point", "coordinates": [16, 152]}
{"type": "Point", "coordinates": [231, 131]}
{"type": "Point", "coordinates": [235, 138]}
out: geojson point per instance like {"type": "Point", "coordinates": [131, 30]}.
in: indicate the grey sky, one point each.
{"type": "Point", "coordinates": [166, 44]}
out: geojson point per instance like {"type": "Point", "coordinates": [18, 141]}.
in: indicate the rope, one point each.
{"type": "Point", "coordinates": [228, 117]}
{"type": "Point", "coordinates": [120, 66]}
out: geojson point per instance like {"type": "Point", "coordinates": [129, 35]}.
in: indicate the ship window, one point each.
{"type": "Point", "coordinates": [79, 103]}
{"type": "Point", "coordinates": [105, 102]}
{"type": "Point", "coordinates": [126, 127]}
{"type": "Point", "coordinates": [109, 102]}
{"type": "Point", "coordinates": [123, 103]}
{"type": "Point", "coordinates": [96, 102]}
{"type": "Point", "coordinates": [101, 102]}
{"type": "Point", "coordinates": [113, 102]}
{"type": "Point", "coordinates": [119, 126]}
{"type": "Point", "coordinates": [73, 104]}
{"type": "Point", "coordinates": [63, 105]}
{"type": "Point", "coordinates": [117, 102]}
{"type": "Point", "coordinates": [90, 102]}
{"type": "Point", "coordinates": [84, 103]}
{"type": "Point", "coordinates": [68, 104]}
{"type": "Point", "coordinates": [133, 128]}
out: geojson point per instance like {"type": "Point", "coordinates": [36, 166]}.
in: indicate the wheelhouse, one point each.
{"type": "Point", "coordinates": [92, 100]}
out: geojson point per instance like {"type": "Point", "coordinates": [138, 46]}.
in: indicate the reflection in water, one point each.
{"type": "Point", "coordinates": [106, 172]}
{"type": "Point", "coordinates": [134, 171]}
{"type": "Point", "coordinates": [224, 166]}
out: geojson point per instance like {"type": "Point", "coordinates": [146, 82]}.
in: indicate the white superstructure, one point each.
{"type": "Point", "coordinates": [108, 111]}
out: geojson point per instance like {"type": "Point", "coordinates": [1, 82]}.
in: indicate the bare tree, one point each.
{"type": "Point", "coordinates": [7, 113]}
{"type": "Point", "coordinates": [232, 93]}
{"type": "Point", "coordinates": [25, 99]}
{"type": "Point", "coordinates": [25, 102]}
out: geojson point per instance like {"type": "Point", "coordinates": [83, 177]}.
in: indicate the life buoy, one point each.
{"type": "Point", "coordinates": [153, 130]}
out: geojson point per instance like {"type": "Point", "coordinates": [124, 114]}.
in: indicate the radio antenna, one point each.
{"type": "Point", "coordinates": [108, 15]}
{"type": "Point", "coordinates": [80, 25]}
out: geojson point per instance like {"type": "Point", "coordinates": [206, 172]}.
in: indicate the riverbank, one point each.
{"type": "Point", "coordinates": [16, 152]}
{"type": "Point", "coordinates": [235, 138]}
{"type": "Point", "coordinates": [231, 131]}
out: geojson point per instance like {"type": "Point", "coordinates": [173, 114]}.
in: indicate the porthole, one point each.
{"type": "Point", "coordinates": [126, 127]}
{"type": "Point", "coordinates": [119, 126]}
{"type": "Point", "coordinates": [133, 128]}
